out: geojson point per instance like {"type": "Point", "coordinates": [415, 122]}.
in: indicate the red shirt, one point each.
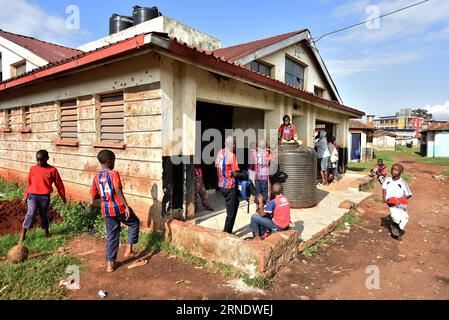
{"type": "Point", "coordinates": [226, 164]}
{"type": "Point", "coordinates": [287, 132]}
{"type": "Point", "coordinates": [105, 185]}
{"type": "Point", "coordinates": [382, 169]}
{"type": "Point", "coordinates": [198, 171]}
{"type": "Point", "coordinates": [280, 208]}
{"type": "Point", "coordinates": [41, 179]}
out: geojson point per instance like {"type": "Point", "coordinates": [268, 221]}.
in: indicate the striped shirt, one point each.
{"type": "Point", "coordinates": [262, 162]}
{"type": "Point", "coordinates": [226, 164]}
{"type": "Point", "coordinates": [287, 132]}
{"type": "Point", "coordinates": [105, 184]}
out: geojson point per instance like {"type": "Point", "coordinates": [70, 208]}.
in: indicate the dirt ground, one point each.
{"type": "Point", "coordinates": [12, 214]}
{"type": "Point", "coordinates": [415, 268]}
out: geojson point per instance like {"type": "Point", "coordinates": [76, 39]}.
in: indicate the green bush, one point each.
{"type": "Point", "coordinates": [11, 190]}
{"type": "Point", "coordinates": [78, 217]}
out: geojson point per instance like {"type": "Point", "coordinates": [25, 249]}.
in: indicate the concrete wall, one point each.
{"type": "Point", "coordinates": [300, 53]}
{"type": "Point", "coordinates": [384, 143]}
{"type": "Point", "coordinates": [140, 164]}
{"type": "Point", "coordinates": [441, 144]}
{"type": "Point", "coordinates": [164, 24]}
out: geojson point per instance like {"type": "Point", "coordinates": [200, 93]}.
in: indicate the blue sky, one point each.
{"type": "Point", "coordinates": [403, 62]}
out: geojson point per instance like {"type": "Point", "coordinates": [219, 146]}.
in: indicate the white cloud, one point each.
{"type": "Point", "coordinates": [439, 111]}
{"type": "Point", "coordinates": [28, 19]}
{"type": "Point", "coordinates": [410, 23]}
{"type": "Point", "coordinates": [346, 67]}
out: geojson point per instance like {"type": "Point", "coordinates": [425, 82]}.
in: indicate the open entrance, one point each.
{"type": "Point", "coordinates": [212, 116]}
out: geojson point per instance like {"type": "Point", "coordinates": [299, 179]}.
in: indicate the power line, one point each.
{"type": "Point", "coordinates": [370, 20]}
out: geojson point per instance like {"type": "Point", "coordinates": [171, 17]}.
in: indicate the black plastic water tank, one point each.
{"type": "Point", "coordinates": [119, 23]}
{"type": "Point", "coordinates": [142, 14]}
{"type": "Point", "coordinates": [299, 165]}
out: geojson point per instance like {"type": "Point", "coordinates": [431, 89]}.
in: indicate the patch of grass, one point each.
{"type": "Point", "coordinates": [446, 173]}
{"type": "Point", "coordinates": [435, 161]}
{"type": "Point", "coordinates": [408, 177]}
{"type": "Point", "coordinates": [11, 190]}
{"type": "Point", "coordinates": [313, 249]}
{"type": "Point", "coordinates": [36, 279]}
{"type": "Point", "coordinates": [256, 282]}
{"type": "Point", "coordinates": [350, 219]}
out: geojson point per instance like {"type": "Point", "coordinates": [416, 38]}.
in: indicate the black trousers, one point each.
{"type": "Point", "coordinates": [232, 205]}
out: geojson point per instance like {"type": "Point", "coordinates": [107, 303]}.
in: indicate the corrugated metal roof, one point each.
{"type": "Point", "coordinates": [233, 53]}
{"type": "Point", "coordinates": [441, 127]}
{"type": "Point", "coordinates": [202, 57]}
{"type": "Point", "coordinates": [355, 124]}
{"type": "Point", "coordinates": [46, 50]}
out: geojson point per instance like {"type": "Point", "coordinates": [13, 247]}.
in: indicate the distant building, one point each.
{"type": "Point", "coordinates": [435, 141]}
{"type": "Point", "coordinates": [360, 141]}
{"type": "Point", "coordinates": [384, 140]}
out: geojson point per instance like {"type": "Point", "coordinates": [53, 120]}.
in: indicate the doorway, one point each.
{"type": "Point", "coordinates": [212, 116]}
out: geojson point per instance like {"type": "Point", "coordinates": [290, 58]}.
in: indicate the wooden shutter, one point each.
{"type": "Point", "coordinates": [27, 118]}
{"type": "Point", "coordinates": [9, 118]}
{"type": "Point", "coordinates": [112, 125]}
{"type": "Point", "coordinates": [69, 120]}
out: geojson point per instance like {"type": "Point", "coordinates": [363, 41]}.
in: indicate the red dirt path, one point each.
{"type": "Point", "coordinates": [416, 268]}
{"type": "Point", "coordinates": [12, 214]}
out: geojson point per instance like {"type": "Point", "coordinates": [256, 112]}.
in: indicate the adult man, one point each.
{"type": "Point", "coordinates": [228, 170]}
{"type": "Point", "coordinates": [323, 156]}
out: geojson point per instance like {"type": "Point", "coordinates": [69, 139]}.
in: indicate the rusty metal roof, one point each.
{"type": "Point", "coordinates": [440, 127]}
{"type": "Point", "coordinates": [355, 124]}
{"type": "Point", "coordinates": [202, 57]}
{"type": "Point", "coordinates": [233, 53]}
{"type": "Point", "coordinates": [48, 51]}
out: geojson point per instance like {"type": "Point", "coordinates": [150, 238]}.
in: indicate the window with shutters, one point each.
{"type": "Point", "coordinates": [69, 120]}
{"type": "Point", "coordinates": [8, 118]}
{"type": "Point", "coordinates": [27, 118]}
{"type": "Point", "coordinates": [112, 124]}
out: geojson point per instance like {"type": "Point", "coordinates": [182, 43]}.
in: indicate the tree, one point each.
{"type": "Point", "coordinates": [423, 113]}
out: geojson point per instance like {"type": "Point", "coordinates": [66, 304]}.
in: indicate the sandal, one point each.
{"type": "Point", "coordinates": [138, 263]}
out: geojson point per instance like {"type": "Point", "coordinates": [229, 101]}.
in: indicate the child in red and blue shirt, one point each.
{"type": "Point", "coordinates": [107, 186]}
{"type": "Point", "coordinates": [40, 186]}
{"type": "Point", "coordinates": [262, 171]}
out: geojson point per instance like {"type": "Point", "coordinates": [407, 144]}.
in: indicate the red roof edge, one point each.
{"type": "Point", "coordinates": [212, 61]}
{"type": "Point", "coordinates": [77, 61]}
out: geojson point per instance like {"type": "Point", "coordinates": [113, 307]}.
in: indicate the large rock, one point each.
{"type": "Point", "coordinates": [18, 253]}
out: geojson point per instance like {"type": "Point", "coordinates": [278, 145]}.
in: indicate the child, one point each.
{"type": "Point", "coordinates": [40, 180]}
{"type": "Point", "coordinates": [274, 217]}
{"type": "Point", "coordinates": [380, 170]}
{"type": "Point", "coordinates": [200, 189]}
{"type": "Point", "coordinates": [262, 172]}
{"type": "Point", "coordinates": [396, 193]}
{"type": "Point", "coordinates": [115, 210]}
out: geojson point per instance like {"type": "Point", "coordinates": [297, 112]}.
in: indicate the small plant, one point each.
{"type": "Point", "coordinates": [256, 282]}
{"type": "Point", "coordinates": [446, 173]}
{"type": "Point", "coordinates": [11, 190]}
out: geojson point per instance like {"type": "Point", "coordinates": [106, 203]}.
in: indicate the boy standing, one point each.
{"type": "Point", "coordinates": [380, 170]}
{"type": "Point", "coordinates": [40, 186]}
{"type": "Point", "coordinates": [274, 217]}
{"type": "Point", "coordinates": [262, 173]}
{"type": "Point", "coordinates": [115, 210]}
{"type": "Point", "coordinates": [396, 193]}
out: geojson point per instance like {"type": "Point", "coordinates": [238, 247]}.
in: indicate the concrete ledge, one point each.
{"type": "Point", "coordinates": [263, 258]}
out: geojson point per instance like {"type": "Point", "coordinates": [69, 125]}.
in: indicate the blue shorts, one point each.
{"type": "Point", "coordinates": [324, 164]}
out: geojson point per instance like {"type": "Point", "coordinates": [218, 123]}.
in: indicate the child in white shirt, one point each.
{"type": "Point", "coordinates": [396, 193]}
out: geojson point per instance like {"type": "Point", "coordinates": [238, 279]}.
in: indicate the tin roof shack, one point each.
{"type": "Point", "coordinates": [384, 140]}
{"type": "Point", "coordinates": [360, 141]}
{"type": "Point", "coordinates": [435, 141]}
{"type": "Point", "coordinates": [141, 97]}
